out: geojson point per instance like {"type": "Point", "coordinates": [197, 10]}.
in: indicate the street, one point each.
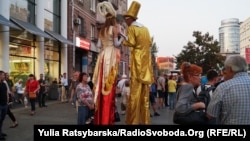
{"type": "Point", "coordinates": [58, 113]}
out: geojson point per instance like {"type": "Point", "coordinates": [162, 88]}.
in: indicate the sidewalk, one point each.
{"type": "Point", "coordinates": [58, 113]}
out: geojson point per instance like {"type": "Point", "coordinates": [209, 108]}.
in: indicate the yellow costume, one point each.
{"type": "Point", "coordinates": [139, 41]}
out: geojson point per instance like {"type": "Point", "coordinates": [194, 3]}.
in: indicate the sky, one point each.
{"type": "Point", "coordinates": [172, 22]}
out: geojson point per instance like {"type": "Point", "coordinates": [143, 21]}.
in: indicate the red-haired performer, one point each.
{"type": "Point", "coordinates": [106, 69]}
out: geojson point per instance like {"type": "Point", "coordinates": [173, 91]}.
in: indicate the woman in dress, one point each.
{"type": "Point", "coordinates": [106, 70]}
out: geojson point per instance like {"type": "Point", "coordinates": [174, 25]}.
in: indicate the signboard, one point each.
{"type": "Point", "coordinates": [82, 43]}
{"type": "Point", "coordinates": [247, 52]}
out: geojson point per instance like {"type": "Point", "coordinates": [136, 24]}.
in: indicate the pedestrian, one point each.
{"type": "Point", "coordinates": [9, 83]}
{"type": "Point", "coordinates": [152, 98]}
{"type": "Point", "coordinates": [3, 102]}
{"type": "Point", "coordinates": [231, 101]}
{"type": "Point", "coordinates": [19, 91]}
{"type": "Point", "coordinates": [106, 69]}
{"type": "Point", "coordinates": [140, 42]}
{"type": "Point", "coordinates": [42, 92]}
{"type": "Point", "coordinates": [172, 85]}
{"type": "Point", "coordinates": [65, 88]}
{"type": "Point", "coordinates": [31, 89]}
{"type": "Point", "coordinates": [161, 90]}
{"type": "Point", "coordinates": [73, 84]}
{"type": "Point", "coordinates": [85, 99]}
{"type": "Point", "coordinates": [187, 102]}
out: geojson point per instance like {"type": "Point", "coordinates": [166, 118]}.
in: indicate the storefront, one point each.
{"type": "Point", "coordinates": [32, 43]}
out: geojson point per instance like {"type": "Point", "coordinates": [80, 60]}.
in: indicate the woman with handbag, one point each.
{"type": "Point", "coordinates": [31, 89]}
{"type": "Point", "coordinates": [188, 109]}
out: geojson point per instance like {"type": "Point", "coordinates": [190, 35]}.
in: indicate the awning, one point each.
{"type": "Point", "coordinates": [6, 22]}
{"type": "Point", "coordinates": [31, 28]}
{"type": "Point", "coordinates": [59, 37]}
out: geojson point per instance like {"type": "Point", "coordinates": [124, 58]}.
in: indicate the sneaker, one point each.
{"type": "Point", "coordinates": [88, 121]}
{"type": "Point", "coordinates": [156, 114]}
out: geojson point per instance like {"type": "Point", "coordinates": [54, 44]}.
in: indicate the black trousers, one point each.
{"type": "Point", "coordinates": [166, 98]}
{"type": "Point", "coordinates": [10, 114]}
{"type": "Point", "coordinates": [41, 99]}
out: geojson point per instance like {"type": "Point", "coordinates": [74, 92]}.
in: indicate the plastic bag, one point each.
{"type": "Point", "coordinates": [25, 102]}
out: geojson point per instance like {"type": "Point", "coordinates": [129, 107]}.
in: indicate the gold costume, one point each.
{"type": "Point", "coordinates": [139, 41]}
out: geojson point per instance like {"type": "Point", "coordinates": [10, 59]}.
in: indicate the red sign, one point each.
{"type": "Point", "coordinates": [247, 52]}
{"type": "Point", "coordinates": [82, 43]}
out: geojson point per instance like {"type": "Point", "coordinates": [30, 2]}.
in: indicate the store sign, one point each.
{"type": "Point", "coordinates": [82, 43]}
{"type": "Point", "coordinates": [247, 52]}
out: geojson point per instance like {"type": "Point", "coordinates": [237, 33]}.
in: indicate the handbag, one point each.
{"type": "Point", "coordinates": [32, 95]}
{"type": "Point", "coordinates": [194, 117]}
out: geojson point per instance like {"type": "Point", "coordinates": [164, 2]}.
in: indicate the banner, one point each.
{"type": "Point", "coordinates": [90, 132]}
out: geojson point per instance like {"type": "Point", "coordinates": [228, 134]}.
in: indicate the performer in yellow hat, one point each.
{"type": "Point", "coordinates": [139, 40]}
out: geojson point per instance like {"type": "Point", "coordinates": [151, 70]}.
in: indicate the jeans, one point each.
{"type": "Point", "coordinates": [172, 96]}
{"type": "Point", "coordinates": [83, 114]}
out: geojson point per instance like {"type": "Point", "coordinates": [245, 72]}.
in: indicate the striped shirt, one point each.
{"type": "Point", "coordinates": [230, 102]}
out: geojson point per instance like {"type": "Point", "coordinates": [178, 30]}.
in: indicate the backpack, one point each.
{"type": "Point", "coordinates": [204, 95]}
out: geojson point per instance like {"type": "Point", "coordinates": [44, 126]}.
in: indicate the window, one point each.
{"type": "Point", "coordinates": [92, 32]}
{"type": "Point", "coordinates": [23, 10]}
{"type": "Point", "coordinates": [92, 5]}
{"type": "Point", "coordinates": [81, 28]}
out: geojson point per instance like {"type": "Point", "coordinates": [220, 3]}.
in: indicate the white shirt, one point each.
{"type": "Point", "coordinates": [19, 88]}
{"type": "Point", "coordinates": [125, 94]}
{"type": "Point", "coordinates": [121, 83]}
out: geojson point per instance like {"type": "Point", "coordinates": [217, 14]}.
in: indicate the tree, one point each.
{"type": "Point", "coordinates": [204, 51]}
{"type": "Point", "coordinates": [154, 51]}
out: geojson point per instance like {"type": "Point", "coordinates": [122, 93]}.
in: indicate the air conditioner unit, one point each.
{"type": "Point", "coordinates": [77, 21]}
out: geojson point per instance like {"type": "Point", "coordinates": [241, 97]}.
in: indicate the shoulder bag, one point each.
{"type": "Point", "coordinates": [193, 117]}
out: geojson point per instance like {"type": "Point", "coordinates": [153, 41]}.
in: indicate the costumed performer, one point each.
{"type": "Point", "coordinates": [106, 70]}
{"type": "Point", "coordinates": [139, 40]}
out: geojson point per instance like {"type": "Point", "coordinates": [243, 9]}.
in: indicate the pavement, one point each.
{"type": "Point", "coordinates": [58, 113]}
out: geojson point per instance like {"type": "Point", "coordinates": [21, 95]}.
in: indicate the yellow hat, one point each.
{"type": "Point", "coordinates": [133, 10]}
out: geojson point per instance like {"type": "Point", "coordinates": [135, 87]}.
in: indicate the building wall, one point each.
{"type": "Point", "coordinates": [245, 39]}
{"type": "Point", "coordinates": [165, 63]}
{"type": "Point", "coordinates": [229, 36]}
{"type": "Point", "coordinates": [78, 56]}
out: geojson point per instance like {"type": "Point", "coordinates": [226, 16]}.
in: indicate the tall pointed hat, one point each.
{"type": "Point", "coordinates": [133, 10]}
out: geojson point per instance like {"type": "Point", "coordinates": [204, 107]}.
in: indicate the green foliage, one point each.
{"type": "Point", "coordinates": [154, 51]}
{"type": "Point", "coordinates": [204, 51]}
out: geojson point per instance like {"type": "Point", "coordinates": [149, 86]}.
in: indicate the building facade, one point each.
{"type": "Point", "coordinates": [245, 39]}
{"type": "Point", "coordinates": [38, 41]}
{"type": "Point", "coordinates": [229, 36]}
{"type": "Point", "coordinates": [165, 64]}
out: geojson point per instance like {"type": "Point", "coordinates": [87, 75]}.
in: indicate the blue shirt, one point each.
{"type": "Point", "coordinates": [153, 87]}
